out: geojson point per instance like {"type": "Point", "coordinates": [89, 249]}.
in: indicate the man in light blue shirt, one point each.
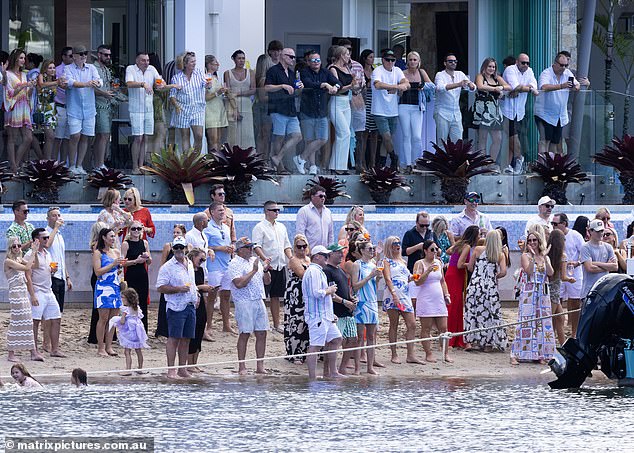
{"type": "Point", "coordinates": [82, 79]}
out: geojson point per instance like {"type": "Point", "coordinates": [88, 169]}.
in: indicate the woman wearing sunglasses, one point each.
{"type": "Point", "coordinates": [355, 214]}
{"type": "Point", "coordinates": [295, 328]}
{"type": "Point", "coordinates": [610, 237]}
{"type": "Point", "coordinates": [132, 203]}
{"type": "Point", "coordinates": [137, 254]}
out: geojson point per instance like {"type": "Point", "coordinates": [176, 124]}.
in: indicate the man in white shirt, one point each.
{"type": "Point", "coordinates": [271, 241]}
{"type": "Point", "coordinates": [545, 206]}
{"type": "Point", "coordinates": [140, 79]}
{"type": "Point", "coordinates": [388, 82]}
{"type": "Point", "coordinates": [57, 248]}
{"type": "Point", "coordinates": [522, 81]}
{"type": "Point", "coordinates": [449, 84]}
{"type": "Point", "coordinates": [195, 237]}
{"type": "Point", "coordinates": [314, 220]}
{"type": "Point", "coordinates": [470, 216]}
{"type": "Point", "coordinates": [551, 108]}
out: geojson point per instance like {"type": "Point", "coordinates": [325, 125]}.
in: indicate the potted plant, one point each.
{"type": "Point", "coordinates": [620, 156]}
{"type": "Point", "coordinates": [381, 181]}
{"type": "Point", "coordinates": [108, 178]}
{"type": "Point", "coordinates": [237, 168]}
{"type": "Point", "coordinates": [46, 176]}
{"type": "Point", "coordinates": [455, 163]}
{"type": "Point", "coordinates": [182, 171]}
{"type": "Point", "coordinates": [5, 175]}
{"type": "Point", "coordinates": [557, 171]}
{"type": "Point", "coordinates": [334, 188]}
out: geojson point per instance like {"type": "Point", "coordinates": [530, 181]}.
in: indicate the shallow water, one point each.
{"type": "Point", "coordinates": [292, 414]}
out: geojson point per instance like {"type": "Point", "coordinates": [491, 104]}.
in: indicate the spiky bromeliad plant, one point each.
{"type": "Point", "coordinates": [381, 181]}
{"type": "Point", "coordinates": [557, 171]}
{"type": "Point", "coordinates": [455, 163]}
{"type": "Point", "coordinates": [181, 170]}
{"type": "Point", "coordinates": [334, 188]}
{"type": "Point", "coordinates": [620, 156]}
{"type": "Point", "coordinates": [46, 176]}
{"type": "Point", "coordinates": [108, 178]}
{"type": "Point", "coordinates": [5, 175]}
{"type": "Point", "coordinates": [237, 168]}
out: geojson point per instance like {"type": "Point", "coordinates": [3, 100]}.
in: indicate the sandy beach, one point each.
{"type": "Point", "coordinates": [76, 322]}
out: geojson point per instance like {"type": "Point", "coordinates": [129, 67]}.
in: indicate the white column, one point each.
{"type": "Point", "coordinates": [190, 28]}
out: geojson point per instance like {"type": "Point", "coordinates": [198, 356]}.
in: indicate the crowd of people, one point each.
{"type": "Point", "coordinates": [326, 288]}
{"type": "Point", "coordinates": [332, 114]}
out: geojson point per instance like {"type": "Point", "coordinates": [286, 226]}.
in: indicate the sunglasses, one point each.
{"type": "Point", "coordinates": [315, 60]}
{"type": "Point", "coordinates": [555, 223]}
{"type": "Point", "coordinates": [369, 249]}
{"type": "Point", "coordinates": [451, 61]}
{"type": "Point", "coordinates": [423, 225]}
{"type": "Point", "coordinates": [82, 54]}
{"type": "Point", "coordinates": [68, 55]}
{"type": "Point", "coordinates": [351, 229]}
{"type": "Point", "coordinates": [178, 247]}
{"type": "Point", "coordinates": [24, 211]}
{"type": "Point", "coordinates": [473, 200]}
{"type": "Point", "coordinates": [136, 229]}
{"type": "Point", "coordinates": [564, 65]}
{"type": "Point", "coordinates": [549, 206]}
{"type": "Point", "coordinates": [46, 238]}
{"type": "Point", "coordinates": [396, 244]}
{"type": "Point", "coordinates": [292, 57]}
{"type": "Point", "coordinates": [607, 235]}
{"type": "Point", "coordinates": [273, 210]}
{"type": "Point", "coordinates": [321, 195]}
{"type": "Point", "coordinates": [532, 240]}
{"type": "Point", "coordinates": [390, 60]}
{"type": "Point", "coordinates": [525, 63]}
{"type": "Point", "coordinates": [15, 246]}
{"type": "Point", "coordinates": [304, 246]}
{"type": "Point", "coordinates": [220, 194]}
{"type": "Point", "coordinates": [128, 199]}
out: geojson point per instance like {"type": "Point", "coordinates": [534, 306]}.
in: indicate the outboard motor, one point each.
{"type": "Point", "coordinates": [607, 317]}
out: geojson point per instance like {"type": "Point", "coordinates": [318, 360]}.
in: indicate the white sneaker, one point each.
{"type": "Point", "coordinates": [313, 170]}
{"type": "Point", "coordinates": [519, 165]}
{"type": "Point", "coordinates": [509, 170]}
{"type": "Point", "coordinates": [74, 170]}
{"type": "Point", "coordinates": [81, 171]}
{"type": "Point", "coordinates": [299, 163]}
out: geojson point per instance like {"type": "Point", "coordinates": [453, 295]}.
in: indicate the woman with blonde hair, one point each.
{"type": "Point", "coordinates": [397, 301]}
{"type": "Point", "coordinates": [534, 341]}
{"type": "Point", "coordinates": [20, 332]}
{"type": "Point", "coordinates": [442, 237]}
{"type": "Point", "coordinates": [482, 302]}
{"type": "Point", "coordinates": [356, 213]}
{"type": "Point", "coordinates": [132, 203]}
{"type": "Point", "coordinates": [340, 112]}
{"type": "Point", "coordinates": [611, 237]}
{"type": "Point", "coordinates": [603, 214]}
{"type": "Point", "coordinates": [112, 214]}
{"type": "Point", "coordinates": [136, 251]}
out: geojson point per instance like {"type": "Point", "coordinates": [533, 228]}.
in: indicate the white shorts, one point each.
{"type": "Point", "coordinates": [142, 123]}
{"type": "Point", "coordinates": [214, 278]}
{"type": "Point", "coordinates": [48, 307]}
{"type": "Point", "coordinates": [251, 316]}
{"type": "Point", "coordinates": [322, 331]}
{"type": "Point", "coordinates": [61, 131]}
{"type": "Point", "coordinates": [571, 290]}
{"type": "Point", "coordinates": [85, 126]}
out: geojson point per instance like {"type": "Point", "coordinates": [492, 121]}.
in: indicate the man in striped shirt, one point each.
{"type": "Point", "coordinates": [319, 314]}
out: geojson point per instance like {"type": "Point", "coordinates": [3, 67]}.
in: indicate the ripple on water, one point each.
{"type": "Point", "coordinates": [355, 415]}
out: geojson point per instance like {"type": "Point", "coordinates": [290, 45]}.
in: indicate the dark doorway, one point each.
{"type": "Point", "coordinates": [451, 37]}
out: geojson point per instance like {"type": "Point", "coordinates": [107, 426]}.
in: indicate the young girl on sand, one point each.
{"type": "Point", "coordinates": [130, 328]}
{"type": "Point", "coordinates": [22, 377]}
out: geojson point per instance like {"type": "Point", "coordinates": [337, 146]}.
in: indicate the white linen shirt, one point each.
{"type": "Point", "coordinates": [552, 106]}
{"type": "Point", "coordinates": [173, 273]}
{"type": "Point", "coordinates": [197, 239]}
{"type": "Point", "coordinates": [447, 104]}
{"type": "Point", "coordinates": [58, 251]}
{"type": "Point", "coordinates": [139, 100]}
{"type": "Point", "coordinates": [515, 108]}
{"type": "Point", "coordinates": [316, 227]}
{"type": "Point", "coordinates": [272, 238]}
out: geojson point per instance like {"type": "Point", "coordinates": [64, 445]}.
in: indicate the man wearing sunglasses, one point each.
{"type": "Point", "coordinates": [282, 86]}
{"type": "Point", "coordinates": [61, 130]}
{"type": "Point", "coordinates": [414, 239]}
{"type": "Point", "coordinates": [313, 115]}
{"type": "Point", "coordinates": [470, 216]}
{"type": "Point", "coordinates": [20, 228]}
{"type": "Point", "coordinates": [522, 81]}
{"type": "Point", "coordinates": [597, 257]}
{"type": "Point", "coordinates": [388, 82]}
{"type": "Point", "coordinates": [545, 207]}
{"type": "Point", "coordinates": [270, 240]}
{"type": "Point", "coordinates": [314, 220]}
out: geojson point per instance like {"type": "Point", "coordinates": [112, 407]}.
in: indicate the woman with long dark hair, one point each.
{"type": "Point", "coordinates": [17, 116]}
{"type": "Point", "coordinates": [559, 262]}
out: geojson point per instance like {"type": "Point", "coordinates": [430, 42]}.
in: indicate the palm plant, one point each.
{"type": "Point", "coordinates": [180, 170]}
{"type": "Point", "coordinates": [620, 156]}
{"type": "Point", "coordinates": [557, 171]}
{"type": "Point", "coordinates": [108, 178]}
{"type": "Point", "coordinates": [455, 163]}
{"type": "Point", "coordinates": [332, 186]}
{"type": "Point", "coordinates": [381, 181]}
{"type": "Point", "coordinates": [46, 176]}
{"type": "Point", "coordinates": [237, 168]}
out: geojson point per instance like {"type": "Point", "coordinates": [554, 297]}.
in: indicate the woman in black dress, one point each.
{"type": "Point", "coordinates": [166, 254]}
{"type": "Point", "coordinates": [198, 256]}
{"type": "Point", "coordinates": [137, 253]}
{"type": "Point", "coordinates": [295, 329]}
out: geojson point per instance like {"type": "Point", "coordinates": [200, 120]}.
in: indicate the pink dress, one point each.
{"type": "Point", "coordinates": [16, 103]}
{"type": "Point", "coordinates": [131, 333]}
{"type": "Point", "coordinates": [430, 301]}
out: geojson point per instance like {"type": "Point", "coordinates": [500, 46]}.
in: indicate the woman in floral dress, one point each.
{"type": "Point", "coordinates": [295, 328]}
{"type": "Point", "coordinates": [17, 119]}
{"type": "Point", "coordinates": [45, 116]}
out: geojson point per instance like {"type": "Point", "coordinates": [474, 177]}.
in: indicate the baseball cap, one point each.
{"type": "Point", "coordinates": [79, 48]}
{"type": "Point", "coordinates": [388, 53]}
{"type": "Point", "coordinates": [179, 241]}
{"type": "Point", "coordinates": [545, 199]}
{"type": "Point", "coordinates": [471, 194]}
{"type": "Point", "coordinates": [243, 242]}
{"type": "Point", "coordinates": [596, 225]}
{"type": "Point", "coordinates": [336, 247]}
{"type": "Point", "coordinates": [319, 249]}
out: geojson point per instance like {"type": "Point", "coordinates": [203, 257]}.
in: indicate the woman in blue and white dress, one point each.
{"type": "Point", "coordinates": [364, 275]}
{"type": "Point", "coordinates": [106, 262]}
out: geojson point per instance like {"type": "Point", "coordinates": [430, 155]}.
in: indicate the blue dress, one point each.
{"type": "Point", "coordinates": [367, 311]}
{"type": "Point", "coordinates": [400, 280]}
{"type": "Point", "coordinates": [107, 291]}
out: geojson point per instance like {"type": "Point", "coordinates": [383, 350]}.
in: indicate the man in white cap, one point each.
{"type": "Point", "coordinates": [597, 257]}
{"type": "Point", "coordinates": [319, 313]}
{"type": "Point", "coordinates": [545, 205]}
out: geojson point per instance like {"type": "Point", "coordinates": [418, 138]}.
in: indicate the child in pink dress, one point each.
{"type": "Point", "coordinates": [130, 330]}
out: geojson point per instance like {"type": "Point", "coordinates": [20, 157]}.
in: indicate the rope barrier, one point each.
{"type": "Point", "coordinates": [444, 338]}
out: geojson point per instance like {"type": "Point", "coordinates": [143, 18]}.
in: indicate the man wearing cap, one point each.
{"type": "Point", "coordinates": [414, 239]}
{"type": "Point", "coordinates": [387, 83]}
{"type": "Point", "coordinates": [82, 79]}
{"type": "Point", "coordinates": [319, 314]}
{"type": "Point", "coordinates": [314, 220]}
{"type": "Point", "coordinates": [177, 282]}
{"type": "Point", "coordinates": [343, 303]}
{"type": "Point", "coordinates": [545, 205]}
{"type": "Point", "coordinates": [571, 292]}
{"type": "Point", "coordinates": [247, 279]}
{"type": "Point", "coordinates": [469, 216]}
{"type": "Point", "coordinates": [449, 84]}
{"type": "Point", "coordinates": [597, 257]}
{"type": "Point", "coordinates": [271, 241]}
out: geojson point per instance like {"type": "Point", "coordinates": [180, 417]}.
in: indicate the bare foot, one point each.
{"type": "Point", "coordinates": [357, 372]}
{"type": "Point", "coordinates": [242, 372]}
{"type": "Point", "coordinates": [229, 330]}
{"type": "Point", "coordinates": [184, 373]}
{"type": "Point", "coordinates": [37, 358]}
{"type": "Point", "coordinates": [46, 348]}
{"type": "Point", "coordinates": [378, 364]}
{"type": "Point", "coordinates": [514, 361]}
{"type": "Point", "coordinates": [102, 354]}
{"type": "Point", "coordinates": [126, 373]}
{"type": "Point", "coordinates": [372, 372]}
{"type": "Point", "coordinates": [262, 371]}
{"type": "Point", "coordinates": [207, 337]}
{"type": "Point", "coordinates": [112, 353]}
{"type": "Point", "coordinates": [415, 360]}
{"type": "Point", "coordinates": [141, 372]}
{"type": "Point", "coordinates": [430, 359]}
{"type": "Point", "coordinates": [448, 359]}
{"type": "Point", "coordinates": [12, 358]}
{"type": "Point", "coordinates": [171, 374]}
{"type": "Point", "coordinates": [57, 354]}
{"type": "Point", "coordinates": [337, 376]}
{"type": "Point", "coordinates": [395, 359]}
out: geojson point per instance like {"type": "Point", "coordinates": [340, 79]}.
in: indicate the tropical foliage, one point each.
{"type": "Point", "coordinates": [557, 171]}
{"type": "Point", "coordinates": [381, 181]}
{"type": "Point", "coordinates": [46, 176]}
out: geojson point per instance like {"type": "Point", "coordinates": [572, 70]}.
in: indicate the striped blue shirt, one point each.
{"type": "Point", "coordinates": [80, 102]}
{"type": "Point", "coordinates": [191, 96]}
{"type": "Point", "coordinates": [318, 304]}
